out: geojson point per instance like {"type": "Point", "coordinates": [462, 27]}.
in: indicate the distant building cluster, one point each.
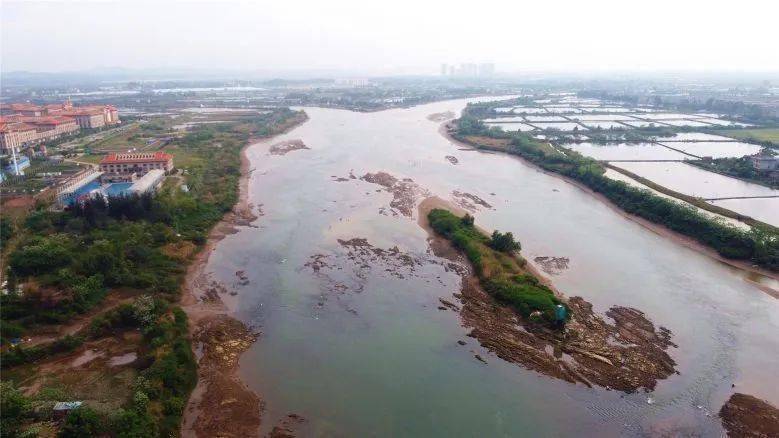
{"type": "Point", "coordinates": [468, 70]}
{"type": "Point", "coordinates": [25, 124]}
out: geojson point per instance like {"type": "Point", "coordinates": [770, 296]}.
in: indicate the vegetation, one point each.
{"type": "Point", "coordinates": [760, 245]}
{"type": "Point", "coordinates": [741, 167]}
{"type": "Point", "coordinates": [767, 137]}
{"type": "Point", "coordinates": [501, 272]}
{"type": "Point", "coordinates": [66, 263]}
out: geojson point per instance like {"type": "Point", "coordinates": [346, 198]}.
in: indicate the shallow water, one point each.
{"type": "Point", "coordinates": [693, 181]}
{"type": "Point", "coordinates": [716, 149]}
{"type": "Point", "coordinates": [626, 151]}
{"type": "Point", "coordinates": [357, 350]}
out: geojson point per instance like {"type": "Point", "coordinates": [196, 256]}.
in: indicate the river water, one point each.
{"type": "Point", "coordinates": [360, 350]}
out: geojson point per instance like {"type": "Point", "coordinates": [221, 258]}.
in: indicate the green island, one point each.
{"type": "Point", "coordinates": [117, 266]}
{"type": "Point", "coordinates": [501, 271]}
{"type": "Point", "coordinates": [759, 245]}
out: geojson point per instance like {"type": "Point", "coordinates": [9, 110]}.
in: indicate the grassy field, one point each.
{"type": "Point", "coordinates": [768, 134]}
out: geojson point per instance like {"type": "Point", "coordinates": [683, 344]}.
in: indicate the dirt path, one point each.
{"type": "Point", "coordinates": [221, 405]}
{"type": "Point", "coordinates": [51, 333]}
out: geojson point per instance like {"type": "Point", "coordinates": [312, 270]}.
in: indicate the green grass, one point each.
{"type": "Point", "coordinates": [502, 275]}
{"type": "Point", "coordinates": [768, 134]}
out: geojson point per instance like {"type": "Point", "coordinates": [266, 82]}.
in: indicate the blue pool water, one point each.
{"type": "Point", "coordinates": [117, 189]}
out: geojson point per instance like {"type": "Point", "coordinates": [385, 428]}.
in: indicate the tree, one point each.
{"type": "Point", "coordinates": [14, 407]}
{"type": "Point", "coordinates": [82, 422]}
{"type": "Point", "coordinates": [504, 242]}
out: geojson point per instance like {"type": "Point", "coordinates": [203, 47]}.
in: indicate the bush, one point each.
{"type": "Point", "coordinates": [82, 422]}
{"type": "Point", "coordinates": [521, 291]}
{"type": "Point", "coordinates": [41, 255]}
{"type": "Point", "coordinates": [14, 407]}
{"type": "Point", "coordinates": [504, 242]}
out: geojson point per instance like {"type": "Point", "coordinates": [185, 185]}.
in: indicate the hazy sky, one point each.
{"type": "Point", "coordinates": [393, 36]}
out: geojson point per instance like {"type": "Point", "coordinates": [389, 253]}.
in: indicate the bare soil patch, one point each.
{"type": "Point", "coordinates": [223, 406]}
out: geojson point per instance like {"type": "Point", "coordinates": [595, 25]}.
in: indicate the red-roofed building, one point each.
{"type": "Point", "coordinates": [51, 127]}
{"type": "Point", "coordinates": [16, 135]}
{"type": "Point", "coordinates": [87, 117]}
{"type": "Point", "coordinates": [140, 162]}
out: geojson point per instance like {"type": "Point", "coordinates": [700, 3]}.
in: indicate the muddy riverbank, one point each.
{"type": "Point", "coordinates": [222, 405]}
{"type": "Point", "coordinates": [627, 355]}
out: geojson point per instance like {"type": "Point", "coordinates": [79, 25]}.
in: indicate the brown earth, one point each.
{"type": "Point", "coordinates": [226, 407]}
{"type": "Point", "coordinates": [90, 373]}
{"type": "Point", "coordinates": [746, 416]}
{"type": "Point", "coordinates": [627, 355]}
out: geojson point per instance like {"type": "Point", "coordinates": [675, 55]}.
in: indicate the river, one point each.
{"type": "Point", "coordinates": [358, 350]}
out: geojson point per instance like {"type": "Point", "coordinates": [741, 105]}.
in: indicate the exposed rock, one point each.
{"type": "Point", "coordinates": [552, 265]}
{"type": "Point", "coordinates": [285, 147]}
{"type": "Point", "coordinates": [746, 416]}
{"type": "Point", "coordinates": [469, 201]}
{"type": "Point", "coordinates": [404, 192]}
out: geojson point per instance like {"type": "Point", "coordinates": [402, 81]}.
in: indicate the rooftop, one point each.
{"type": "Point", "coordinates": [139, 157]}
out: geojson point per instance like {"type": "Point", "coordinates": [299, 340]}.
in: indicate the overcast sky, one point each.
{"type": "Point", "coordinates": [393, 36]}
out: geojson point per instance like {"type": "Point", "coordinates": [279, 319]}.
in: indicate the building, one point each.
{"type": "Point", "coordinates": [18, 131]}
{"type": "Point", "coordinates": [148, 182]}
{"type": "Point", "coordinates": [141, 162]}
{"type": "Point", "coordinates": [15, 135]}
{"type": "Point", "coordinates": [765, 163]}
{"type": "Point", "coordinates": [86, 117]}
{"type": "Point", "coordinates": [62, 409]}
